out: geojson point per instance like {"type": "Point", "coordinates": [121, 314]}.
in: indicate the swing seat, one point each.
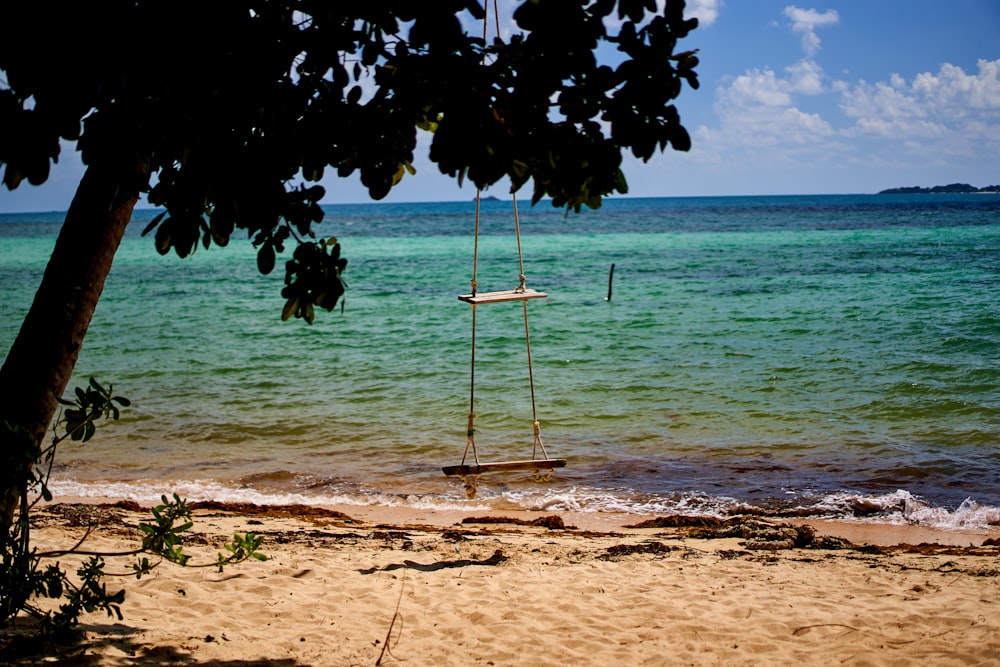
{"type": "Point", "coordinates": [505, 295]}
{"type": "Point", "coordinates": [503, 466]}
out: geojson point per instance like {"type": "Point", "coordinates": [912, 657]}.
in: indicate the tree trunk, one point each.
{"type": "Point", "coordinates": [41, 360]}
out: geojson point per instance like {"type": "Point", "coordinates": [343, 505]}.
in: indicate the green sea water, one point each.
{"type": "Point", "coordinates": [828, 355]}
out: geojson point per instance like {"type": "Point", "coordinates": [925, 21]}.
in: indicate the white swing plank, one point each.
{"type": "Point", "coordinates": [505, 295]}
{"type": "Point", "coordinates": [474, 469]}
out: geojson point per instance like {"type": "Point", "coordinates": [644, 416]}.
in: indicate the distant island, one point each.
{"type": "Point", "coordinates": [961, 188]}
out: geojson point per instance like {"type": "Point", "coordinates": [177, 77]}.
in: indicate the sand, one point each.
{"type": "Point", "coordinates": [427, 589]}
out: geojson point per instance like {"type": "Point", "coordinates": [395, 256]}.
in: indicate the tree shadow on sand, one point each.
{"type": "Point", "coordinates": [493, 560]}
{"type": "Point", "coordinates": [90, 644]}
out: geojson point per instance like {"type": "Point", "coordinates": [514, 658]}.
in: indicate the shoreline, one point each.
{"type": "Point", "coordinates": [878, 534]}
{"type": "Point", "coordinates": [858, 532]}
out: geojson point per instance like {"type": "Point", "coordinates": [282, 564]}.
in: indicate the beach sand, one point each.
{"type": "Point", "coordinates": [382, 586]}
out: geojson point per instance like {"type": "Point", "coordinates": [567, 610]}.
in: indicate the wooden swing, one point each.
{"type": "Point", "coordinates": [470, 472]}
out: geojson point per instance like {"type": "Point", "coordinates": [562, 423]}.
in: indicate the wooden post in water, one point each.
{"type": "Point", "coordinates": [611, 277]}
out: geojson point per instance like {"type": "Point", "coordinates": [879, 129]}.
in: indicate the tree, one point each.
{"type": "Point", "coordinates": [226, 114]}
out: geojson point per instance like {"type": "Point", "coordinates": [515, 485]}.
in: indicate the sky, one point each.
{"type": "Point", "coordinates": [839, 97]}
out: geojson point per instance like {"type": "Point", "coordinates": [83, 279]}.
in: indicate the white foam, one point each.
{"type": "Point", "coordinates": [147, 493]}
{"type": "Point", "coordinates": [899, 507]}
{"type": "Point", "coordinates": [902, 507]}
{"type": "Point", "coordinates": [969, 515]}
{"type": "Point", "coordinates": [586, 499]}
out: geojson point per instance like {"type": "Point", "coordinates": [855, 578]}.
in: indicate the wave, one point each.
{"type": "Point", "coordinates": [897, 508]}
{"type": "Point", "coordinates": [902, 507]}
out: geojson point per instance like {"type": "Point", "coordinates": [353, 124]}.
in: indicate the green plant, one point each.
{"type": "Point", "coordinates": [27, 576]}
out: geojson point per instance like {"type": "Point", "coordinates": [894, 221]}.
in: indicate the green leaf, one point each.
{"type": "Point", "coordinates": [266, 259]}
{"type": "Point", "coordinates": [620, 182]}
{"type": "Point", "coordinates": [398, 176]}
{"type": "Point", "coordinates": [153, 223]}
{"type": "Point", "coordinates": [164, 236]}
{"type": "Point", "coordinates": [54, 589]}
{"type": "Point", "coordinates": [291, 306]}
{"type": "Point", "coordinates": [12, 177]}
{"type": "Point", "coordinates": [679, 138]}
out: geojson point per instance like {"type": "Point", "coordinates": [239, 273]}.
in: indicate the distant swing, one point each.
{"type": "Point", "coordinates": [470, 472]}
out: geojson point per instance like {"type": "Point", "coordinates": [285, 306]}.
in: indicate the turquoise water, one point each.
{"type": "Point", "coordinates": [828, 355]}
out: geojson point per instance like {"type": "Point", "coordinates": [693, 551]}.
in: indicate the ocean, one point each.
{"type": "Point", "coordinates": [809, 356]}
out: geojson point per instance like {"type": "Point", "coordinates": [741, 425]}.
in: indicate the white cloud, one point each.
{"type": "Point", "coordinates": [882, 105]}
{"type": "Point", "coordinates": [806, 77]}
{"type": "Point", "coordinates": [754, 88]}
{"type": "Point", "coordinates": [766, 88]}
{"type": "Point", "coordinates": [758, 109]}
{"type": "Point", "coordinates": [706, 11]}
{"type": "Point", "coordinates": [792, 114]}
{"type": "Point", "coordinates": [952, 87]}
{"type": "Point", "coordinates": [806, 21]}
{"type": "Point", "coordinates": [949, 103]}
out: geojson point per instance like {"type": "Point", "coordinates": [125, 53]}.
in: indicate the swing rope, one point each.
{"type": "Point", "coordinates": [470, 443]}
{"type": "Point", "coordinates": [527, 337]}
{"type": "Point", "coordinates": [471, 480]}
{"type": "Point", "coordinates": [471, 427]}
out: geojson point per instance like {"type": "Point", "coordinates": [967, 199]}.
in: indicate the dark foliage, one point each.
{"type": "Point", "coordinates": [235, 107]}
{"type": "Point", "coordinates": [227, 113]}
